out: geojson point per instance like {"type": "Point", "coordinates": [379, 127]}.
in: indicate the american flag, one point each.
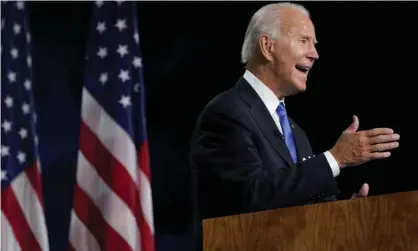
{"type": "Point", "coordinates": [23, 224]}
{"type": "Point", "coordinates": [112, 207]}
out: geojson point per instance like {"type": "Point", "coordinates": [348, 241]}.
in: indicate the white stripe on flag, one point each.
{"type": "Point", "coordinates": [80, 237]}
{"type": "Point", "coordinates": [112, 136]}
{"type": "Point", "coordinates": [146, 200]}
{"type": "Point", "coordinates": [31, 207]}
{"type": "Point", "coordinates": [8, 240]}
{"type": "Point", "coordinates": [114, 210]}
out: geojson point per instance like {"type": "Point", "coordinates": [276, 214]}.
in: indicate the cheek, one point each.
{"type": "Point", "coordinates": [283, 65]}
{"type": "Point", "coordinates": [297, 52]}
{"type": "Point", "coordinates": [290, 57]}
{"type": "Point", "coordinates": [284, 61]}
{"type": "Point", "coordinates": [287, 65]}
{"type": "Point", "coordinates": [286, 58]}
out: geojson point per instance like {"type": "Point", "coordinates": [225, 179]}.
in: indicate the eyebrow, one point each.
{"type": "Point", "coordinates": [315, 41]}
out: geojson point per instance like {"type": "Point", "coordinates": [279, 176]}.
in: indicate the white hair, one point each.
{"type": "Point", "coordinates": [265, 21]}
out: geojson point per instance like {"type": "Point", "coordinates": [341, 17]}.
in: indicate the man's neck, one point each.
{"type": "Point", "coordinates": [266, 77]}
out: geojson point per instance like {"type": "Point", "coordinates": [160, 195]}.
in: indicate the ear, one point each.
{"type": "Point", "coordinates": [266, 47]}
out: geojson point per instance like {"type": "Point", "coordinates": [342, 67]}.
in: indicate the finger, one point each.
{"type": "Point", "coordinates": [379, 155]}
{"type": "Point", "coordinates": [384, 138]}
{"type": "Point", "coordinates": [364, 190]}
{"type": "Point", "coordinates": [354, 125]}
{"type": "Point", "coordinates": [379, 131]}
{"type": "Point", "coordinates": [384, 147]}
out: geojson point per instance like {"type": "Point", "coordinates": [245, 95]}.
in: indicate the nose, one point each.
{"type": "Point", "coordinates": [313, 53]}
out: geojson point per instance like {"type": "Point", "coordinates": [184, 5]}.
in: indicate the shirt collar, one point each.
{"type": "Point", "coordinates": [268, 97]}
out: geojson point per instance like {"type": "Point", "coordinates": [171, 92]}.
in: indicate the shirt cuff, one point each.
{"type": "Point", "coordinates": [332, 163]}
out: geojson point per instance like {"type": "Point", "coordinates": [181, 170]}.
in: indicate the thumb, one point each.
{"type": "Point", "coordinates": [354, 126]}
{"type": "Point", "coordinates": [364, 191]}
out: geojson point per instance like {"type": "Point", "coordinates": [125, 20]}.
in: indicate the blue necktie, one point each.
{"type": "Point", "coordinates": [287, 131]}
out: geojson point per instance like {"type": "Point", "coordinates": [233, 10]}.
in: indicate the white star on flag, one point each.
{"type": "Point", "coordinates": [137, 62]}
{"type": "Point", "coordinates": [122, 50]}
{"type": "Point", "coordinates": [3, 175]}
{"type": "Point", "coordinates": [23, 133]}
{"type": "Point", "coordinates": [99, 3]}
{"type": "Point", "coordinates": [16, 28]}
{"type": "Point", "coordinates": [124, 75]}
{"type": "Point", "coordinates": [136, 37]}
{"type": "Point", "coordinates": [21, 157]}
{"type": "Point", "coordinates": [125, 101]}
{"type": "Point", "coordinates": [103, 78]}
{"type": "Point", "coordinates": [15, 53]}
{"type": "Point", "coordinates": [101, 27]}
{"type": "Point", "coordinates": [27, 84]}
{"type": "Point", "coordinates": [25, 108]}
{"type": "Point", "coordinates": [7, 126]}
{"type": "Point", "coordinates": [4, 151]}
{"type": "Point", "coordinates": [11, 76]}
{"type": "Point", "coordinates": [8, 101]}
{"type": "Point", "coordinates": [102, 53]}
{"type": "Point", "coordinates": [121, 24]}
{"type": "Point", "coordinates": [20, 5]}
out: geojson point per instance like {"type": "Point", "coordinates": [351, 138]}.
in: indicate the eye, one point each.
{"type": "Point", "coordinates": [303, 40]}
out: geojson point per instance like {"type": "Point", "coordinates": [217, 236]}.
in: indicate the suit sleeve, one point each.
{"type": "Point", "coordinates": [224, 147]}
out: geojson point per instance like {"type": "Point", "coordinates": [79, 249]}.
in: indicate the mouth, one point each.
{"type": "Point", "coordinates": [302, 69]}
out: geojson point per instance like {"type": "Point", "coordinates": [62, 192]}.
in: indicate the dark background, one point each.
{"type": "Point", "coordinates": [191, 51]}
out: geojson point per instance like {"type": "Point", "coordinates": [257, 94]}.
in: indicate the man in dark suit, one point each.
{"type": "Point", "coordinates": [246, 153]}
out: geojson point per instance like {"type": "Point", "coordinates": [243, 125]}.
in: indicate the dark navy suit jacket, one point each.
{"type": "Point", "coordinates": [240, 162]}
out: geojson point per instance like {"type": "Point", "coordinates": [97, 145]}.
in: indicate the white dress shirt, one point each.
{"type": "Point", "coordinates": [271, 101]}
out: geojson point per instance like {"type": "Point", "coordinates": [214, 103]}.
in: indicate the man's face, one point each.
{"type": "Point", "coordinates": [294, 53]}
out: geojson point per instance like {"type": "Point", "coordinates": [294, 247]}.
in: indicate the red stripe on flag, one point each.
{"type": "Point", "coordinates": [147, 238]}
{"type": "Point", "coordinates": [17, 220]}
{"type": "Point", "coordinates": [70, 247]}
{"type": "Point", "coordinates": [110, 170]}
{"type": "Point", "coordinates": [107, 238]}
{"type": "Point", "coordinates": [34, 177]}
{"type": "Point", "coordinates": [143, 157]}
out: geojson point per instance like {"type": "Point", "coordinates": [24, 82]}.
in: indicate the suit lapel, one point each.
{"type": "Point", "coordinates": [298, 141]}
{"type": "Point", "coordinates": [264, 120]}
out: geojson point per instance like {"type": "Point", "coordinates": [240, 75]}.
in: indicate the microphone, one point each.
{"type": "Point", "coordinates": [277, 133]}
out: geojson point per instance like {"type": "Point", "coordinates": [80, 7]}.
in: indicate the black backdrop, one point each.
{"type": "Point", "coordinates": [191, 53]}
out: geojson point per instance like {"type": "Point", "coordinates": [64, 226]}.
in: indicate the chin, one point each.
{"type": "Point", "coordinates": [298, 86]}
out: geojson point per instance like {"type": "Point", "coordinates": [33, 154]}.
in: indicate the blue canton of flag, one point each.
{"type": "Point", "coordinates": [114, 66]}
{"type": "Point", "coordinates": [23, 221]}
{"type": "Point", "coordinates": [18, 148]}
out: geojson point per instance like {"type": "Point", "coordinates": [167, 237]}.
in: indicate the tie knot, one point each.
{"type": "Point", "coordinates": [281, 109]}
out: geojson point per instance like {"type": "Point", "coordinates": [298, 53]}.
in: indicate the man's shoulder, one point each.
{"type": "Point", "coordinates": [228, 101]}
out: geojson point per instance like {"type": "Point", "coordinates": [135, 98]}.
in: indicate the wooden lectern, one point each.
{"type": "Point", "coordinates": [386, 222]}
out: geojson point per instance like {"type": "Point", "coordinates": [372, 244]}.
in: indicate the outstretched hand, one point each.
{"type": "Point", "coordinates": [364, 191]}
{"type": "Point", "coordinates": [357, 147]}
